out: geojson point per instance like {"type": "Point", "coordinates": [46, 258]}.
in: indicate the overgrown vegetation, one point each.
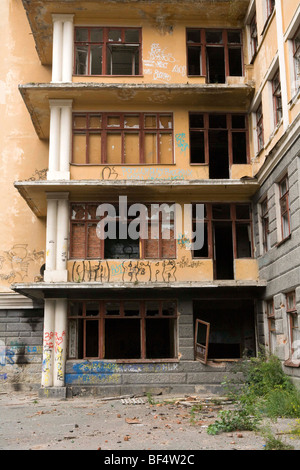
{"type": "Point", "coordinates": [261, 390]}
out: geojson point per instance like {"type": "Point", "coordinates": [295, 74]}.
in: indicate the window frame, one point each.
{"type": "Point", "coordinates": [104, 44]}
{"type": "Point", "coordinates": [265, 225]}
{"type": "Point", "coordinates": [235, 221]}
{"type": "Point", "coordinates": [142, 242]}
{"type": "Point", "coordinates": [106, 130]}
{"type": "Point", "coordinates": [296, 50]}
{"type": "Point", "coordinates": [270, 5]}
{"type": "Point", "coordinates": [277, 98]}
{"type": "Point", "coordinates": [292, 314]}
{"type": "Point", "coordinates": [253, 33]}
{"type": "Point", "coordinates": [229, 128]}
{"type": "Point", "coordinates": [260, 128]}
{"type": "Point", "coordinates": [270, 314]}
{"type": "Point", "coordinates": [284, 200]}
{"type": "Point", "coordinates": [142, 317]}
{"type": "Point", "coordinates": [203, 44]}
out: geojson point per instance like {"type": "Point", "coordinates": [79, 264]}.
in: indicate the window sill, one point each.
{"type": "Point", "coordinates": [284, 240]}
{"type": "Point", "coordinates": [126, 361]}
{"type": "Point", "coordinates": [107, 76]}
{"type": "Point", "coordinates": [291, 363]}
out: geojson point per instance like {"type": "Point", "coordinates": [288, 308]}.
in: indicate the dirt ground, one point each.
{"type": "Point", "coordinates": [93, 423]}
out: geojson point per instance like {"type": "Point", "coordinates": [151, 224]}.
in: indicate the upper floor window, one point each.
{"type": "Point", "coordinates": [276, 91]}
{"type": "Point", "coordinates": [270, 7]}
{"type": "Point", "coordinates": [215, 54]}
{"type": "Point", "coordinates": [260, 128]}
{"type": "Point", "coordinates": [284, 208]}
{"type": "Point", "coordinates": [219, 140]}
{"type": "Point", "coordinates": [270, 313]}
{"type": "Point", "coordinates": [253, 36]}
{"type": "Point", "coordinates": [107, 51]}
{"type": "Point", "coordinates": [114, 138]}
{"type": "Point", "coordinates": [296, 52]}
{"type": "Point", "coordinates": [265, 225]}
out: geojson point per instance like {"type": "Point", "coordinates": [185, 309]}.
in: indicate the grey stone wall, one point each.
{"type": "Point", "coordinates": [21, 337]}
{"type": "Point", "coordinates": [280, 266]}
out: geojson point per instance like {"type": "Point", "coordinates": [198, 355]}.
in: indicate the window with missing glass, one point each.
{"type": "Point", "coordinates": [129, 329]}
{"type": "Point", "coordinates": [277, 100]}
{"type": "Point", "coordinates": [215, 54]}
{"type": "Point", "coordinates": [107, 51]}
{"type": "Point", "coordinates": [122, 138]}
{"type": "Point", "coordinates": [296, 57]}
{"type": "Point", "coordinates": [293, 326]}
{"type": "Point", "coordinates": [284, 201]}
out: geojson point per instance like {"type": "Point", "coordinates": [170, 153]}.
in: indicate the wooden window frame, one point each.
{"type": "Point", "coordinates": [270, 313]}
{"type": "Point", "coordinates": [142, 317]}
{"type": "Point", "coordinates": [277, 100]}
{"type": "Point", "coordinates": [270, 7]}
{"type": "Point", "coordinates": [229, 128]}
{"type": "Point", "coordinates": [142, 131]}
{"type": "Point", "coordinates": [253, 36]}
{"type": "Point", "coordinates": [265, 224]}
{"type": "Point", "coordinates": [203, 45]}
{"type": "Point", "coordinates": [86, 221]}
{"type": "Point", "coordinates": [260, 128]}
{"type": "Point", "coordinates": [296, 53]}
{"type": "Point", "coordinates": [284, 204]}
{"type": "Point", "coordinates": [104, 44]}
{"type": "Point", "coordinates": [291, 316]}
{"type": "Point", "coordinates": [209, 220]}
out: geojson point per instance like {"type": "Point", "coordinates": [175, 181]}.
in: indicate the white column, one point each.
{"type": "Point", "coordinates": [62, 57]}
{"type": "Point", "coordinates": [60, 139]}
{"type": "Point", "coordinates": [282, 65]}
{"type": "Point", "coordinates": [67, 57]}
{"type": "Point", "coordinates": [60, 351]}
{"type": "Point", "coordinates": [57, 48]}
{"type": "Point", "coordinates": [54, 140]}
{"type": "Point", "coordinates": [48, 343]}
{"type": "Point", "coordinates": [66, 139]}
{"type": "Point", "coordinates": [51, 233]}
{"type": "Point", "coordinates": [62, 238]}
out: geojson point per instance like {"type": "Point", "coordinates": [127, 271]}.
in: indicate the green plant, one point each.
{"type": "Point", "coordinates": [234, 420]}
{"type": "Point", "coordinates": [274, 443]}
{"type": "Point", "coordinates": [150, 399]}
{"type": "Point", "coordinates": [193, 411]}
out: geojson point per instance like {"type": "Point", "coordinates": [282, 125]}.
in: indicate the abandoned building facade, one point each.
{"type": "Point", "coordinates": [168, 106]}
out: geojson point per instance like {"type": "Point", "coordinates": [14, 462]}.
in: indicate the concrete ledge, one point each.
{"type": "Point", "coordinates": [53, 392]}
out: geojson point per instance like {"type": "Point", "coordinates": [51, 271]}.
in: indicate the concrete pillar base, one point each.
{"type": "Point", "coordinates": [53, 392]}
{"type": "Point", "coordinates": [58, 175]}
{"type": "Point", "coordinates": [56, 276]}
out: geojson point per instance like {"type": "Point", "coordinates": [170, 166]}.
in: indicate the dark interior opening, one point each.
{"type": "Point", "coordinates": [235, 62]}
{"type": "Point", "coordinates": [160, 338]}
{"type": "Point", "coordinates": [232, 331]}
{"type": "Point", "coordinates": [215, 64]}
{"type": "Point", "coordinates": [218, 154]}
{"type": "Point", "coordinates": [197, 147]}
{"type": "Point", "coordinates": [223, 255]}
{"type": "Point", "coordinates": [121, 249]}
{"type": "Point", "coordinates": [122, 339]}
{"type": "Point", "coordinates": [92, 338]}
{"type": "Point", "coordinates": [239, 147]}
{"type": "Point", "coordinates": [194, 60]}
{"type": "Point", "coordinates": [122, 59]}
{"type": "Point", "coordinates": [243, 241]}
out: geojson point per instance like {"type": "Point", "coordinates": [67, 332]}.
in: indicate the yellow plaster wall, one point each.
{"type": "Point", "coordinates": [23, 156]}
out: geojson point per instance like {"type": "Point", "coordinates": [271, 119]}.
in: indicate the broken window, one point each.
{"type": "Point", "coordinates": [107, 51]}
{"type": "Point", "coordinates": [86, 244]}
{"type": "Point", "coordinates": [253, 36]}
{"type": "Point", "coordinates": [270, 7]}
{"type": "Point", "coordinates": [226, 328]}
{"type": "Point", "coordinates": [219, 140]}
{"type": "Point", "coordinates": [265, 225]}
{"type": "Point", "coordinates": [296, 55]}
{"type": "Point", "coordinates": [293, 327]}
{"type": "Point", "coordinates": [284, 208]}
{"type": "Point", "coordinates": [227, 236]}
{"type": "Point", "coordinates": [122, 329]}
{"type": "Point", "coordinates": [260, 128]}
{"type": "Point", "coordinates": [276, 90]}
{"type": "Point", "coordinates": [130, 138]}
{"type": "Point", "coordinates": [270, 313]}
{"type": "Point", "coordinates": [215, 54]}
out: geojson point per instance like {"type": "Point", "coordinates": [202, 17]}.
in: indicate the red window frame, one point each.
{"type": "Point", "coordinates": [253, 35]}
{"type": "Point", "coordinates": [277, 101]}
{"type": "Point", "coordinates": [105, 44]}
{"type": "Point", "coordinates": [103, 316]}
{"type": "Point", "coordinates": [291, 311]}
{"type": "Point", "coordinates": [233, 218]}
{"type": "Point", "coordinates": [270, 7]}
{"type": "Point", "coordinates": [270, 313]}
{"type": "Point", "coordinates": [203, 44]}
{"type": "Point", "coordinates": [163, 245]}
{"type": "Point", "coordinates": [229, 128]}
{"type": "Point", "coordinates": [142, 130]}
{"type": "Point", "coordinates": [284, 207]}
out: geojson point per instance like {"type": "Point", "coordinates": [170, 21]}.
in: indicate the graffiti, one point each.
{"type": "Point", "coordinates": [163, 76]}
{"type": "Point", "coordinates": [180, 141]}
{"type": "Point", "coordinates": [16, 262]}
{"type": "Point", "coordinates": [156, 173]}
{"type": "Point", "coordinates": [38, 175]}
{"type": "Point", "coordinates": [180, 69]}
{"type": "Point", "coordinates": [84, 271]}
{"type": "Point", "coordinates": [184, 242]}
{"type": "Point", "coordinates": [59, 363]}
{"type": "Point", "coordinates": [3, 376]}
{"type": "Point", "coordinates": [185, 262]}
{"type": "Point", "coordinates": [108, 173]}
